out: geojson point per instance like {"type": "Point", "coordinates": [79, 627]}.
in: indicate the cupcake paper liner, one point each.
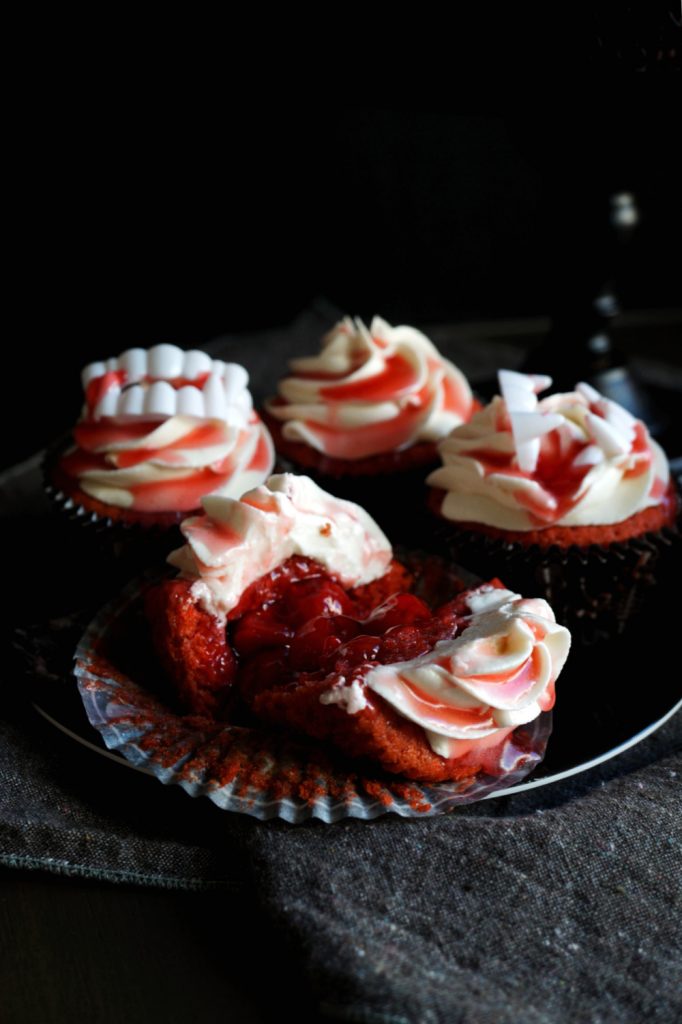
{"type": "Point", "coordinates": [252, 770]}
{"type": "Point", "coordinates": [594, 591]}
{"type": "Point", "coordinates": [128, 547]}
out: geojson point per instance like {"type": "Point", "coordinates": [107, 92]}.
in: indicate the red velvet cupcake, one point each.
{"type": "Point", "coordinates": [363, 417]}
{"type": "Point", "coordinates": [290, 604]}
{"type": "Point", "coordinates": [159, 430]}
{"type": "Point", "coordinates": [568, 497]}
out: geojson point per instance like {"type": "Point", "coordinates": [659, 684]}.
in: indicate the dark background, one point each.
{"type": "Point", "coordinates": [154, 228]}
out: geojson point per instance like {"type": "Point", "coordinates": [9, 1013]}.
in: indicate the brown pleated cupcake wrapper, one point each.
{"type": "Point", "coordinates": [252, 770]}
{"type": "Point", "coordinates": [126, 546]}
{"type": "Point", "coordinates": [594, 591]}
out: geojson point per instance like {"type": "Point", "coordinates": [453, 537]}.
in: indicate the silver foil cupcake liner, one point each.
{"type": "Point", "coordinates": [245, 769]}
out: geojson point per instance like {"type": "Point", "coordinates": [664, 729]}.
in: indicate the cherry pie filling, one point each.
{"type": "Point", "coordinates": [297, 628]}
{"type": "Point", "coordinates": [314, 630]}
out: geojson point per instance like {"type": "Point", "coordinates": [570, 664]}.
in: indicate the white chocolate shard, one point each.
{"type": "Point", "coordinates": [528, 425]}
{"type": "Point", "coordinates": [379, 328]}
{"type": "Point", "coordinates": [619, 416]}
{"type": "Point", "coordinates": [540, 381]}
{"type": "Point", "coordinates": [590, 456]}
{"type": "Point", "coordinates": [590, 394]}
{"type": "Point", "coordinates": [527, 455]}
{"type": "Point", "coordinates": [609, 439]}
{"type": "Point", "coordinates": [518, 391]}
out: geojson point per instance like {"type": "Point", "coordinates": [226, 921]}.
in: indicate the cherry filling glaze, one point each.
{"type": "Point", "coordinates": [297, 637]}
{"type": "Point", "coordinates": [295, 625]}
{"type": "Point", "coordinates": [310, 629]}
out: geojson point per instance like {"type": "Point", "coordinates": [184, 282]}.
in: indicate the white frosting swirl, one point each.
{"type": "Point", "coordinates": [371, 391]}
{"type": "Point", "coordinates": [575, 459]}
{"type": "Point", "coordinates": [162, 427]}
{"type": "Point", "coordinates": [497, 674]}
{"type": "Point", "coordinates": [237, 542]}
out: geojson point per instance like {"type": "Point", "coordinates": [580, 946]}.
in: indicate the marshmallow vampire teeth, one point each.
{"type": "Point", "coordinates": [164, 362]}
{"type": "Point", "coordinates": [140, 385]}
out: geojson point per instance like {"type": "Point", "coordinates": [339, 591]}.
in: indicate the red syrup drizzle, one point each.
{"type": "Point", "coordinates": [204, 436]}
{"type": "Point", "coordinates": [641, 448]}
{"type": "Point", "coordinates": [370, 438]}
{"type": "Point", "coordinates": [98, 387]}
{"type": "Point", "coordinates": [260, 460]}
{"type": "Point", "coordinates": [556, 472]}
{"type": "Point", "coordinates": [455, 399]}
{"type": "Point", "coordinates": [182, 495]}
{"type": "Point", "coordinates": [306, 628]}
{"type": "Point", "coordinates": [311, 628]}
{"type": "Point", "coordinates": [397, 378]}
{"type": "Point", "coordinates": [396, 381]}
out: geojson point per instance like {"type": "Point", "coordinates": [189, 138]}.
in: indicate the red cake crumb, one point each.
{"type": "Point", "coordinates": [377, 733]}
{"type": "Point", "coordinates": [192, 646]}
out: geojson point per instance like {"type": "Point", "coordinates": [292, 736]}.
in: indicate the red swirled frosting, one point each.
{"type": "Point", "coordinates": [371, 391]}
{"type": "Point", "coordinates": [163, 427]}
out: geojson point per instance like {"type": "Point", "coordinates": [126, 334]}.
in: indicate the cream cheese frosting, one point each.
{"type": "Point", "coordinates": [574, 459]}
{"type": "Point", "coordinates": [236, 542]}
{"type": "Point", "coordinates": [371, 391]}
{"type": "Point", "coordinates": [161, 427]}
{"type": "Point", "coordinates": [499, 673]}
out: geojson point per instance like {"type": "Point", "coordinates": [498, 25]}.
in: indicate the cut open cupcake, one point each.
{"type": "Point", "coordinates": [160, 428]}
{"type": "Point", "coordinates": [290, 605]}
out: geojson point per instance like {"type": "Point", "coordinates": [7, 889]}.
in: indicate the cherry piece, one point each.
{"type": "Point", "coordinates": [399, 610]}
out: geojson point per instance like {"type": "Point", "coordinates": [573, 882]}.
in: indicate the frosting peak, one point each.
{"type": "Point", "coordinates": [574, 459]}
{"type": "Point", "coordinates": [371, 391]}
{"type": "Point", "coordinates": [236, 542]}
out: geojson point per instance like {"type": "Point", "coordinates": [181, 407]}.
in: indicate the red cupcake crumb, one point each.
{"type": "Point", "coordinates": [192, 646]}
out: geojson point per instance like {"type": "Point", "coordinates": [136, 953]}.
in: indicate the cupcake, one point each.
{"type": "Point", "coordinates": [159, 430]}
{"type": "Point", "coordinates": [363, 417]}
{"type": "Point", "coordinates": [291, 610]}
{"type": "Point", "coordinates": [568, 497]}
